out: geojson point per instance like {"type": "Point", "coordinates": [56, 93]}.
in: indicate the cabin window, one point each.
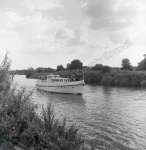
{"type": "Point", "coordinates": [55, 80]}
{"type": "Point", "coordinates": [56, 76]}
{"type": "Point", "coordinates": [61, 80]}
{"type": "Point", "coordinates": [49, 77]}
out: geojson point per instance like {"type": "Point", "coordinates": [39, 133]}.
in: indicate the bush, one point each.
{"type": "Point", "coordinates": [29, 74]}
{"type": "Point", "coordinates": [135, 80]}
{"type": "Point", "coordinates": [143, 77]}
{"type": "Point", "coordinates": [117, 81]}
{"type": "Point", "coordinates": [97, 67]}
{"type": "Point", "coordinates": [143, 83]}
{"type": "Point", "coordinates": [106, 69]}
{"type": "Point", "coordinates": [125, 82]}
{"type": "Point", "coordinates": [93, 77]}
{"type": "Point", "coordinates": [107, 80]}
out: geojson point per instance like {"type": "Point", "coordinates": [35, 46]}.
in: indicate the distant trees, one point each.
{"type": "Point", "coordinates": [30, 71]}
{"type": "Point", "coordinates": [76, 64]}
{"type": "Point", "coordinates": [142, 64]}
{"type": "Point", "coordinates": [68, 66]}
{"type": "Point", "coordinates": [44, 70]}
{"type": "Point", "coordinates": [126, 65]}
{"type": "Point", "coordinates": [38, 70]}
{"type": "Point", "coordinates": [106, 69]}
{"type": "Point", "coordinates": [60, 67]}
{"type": "Point", "coordinates": [97, 67]}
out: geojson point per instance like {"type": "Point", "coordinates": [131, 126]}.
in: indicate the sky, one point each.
{"type": "Point", "coordinates": [47, 33]}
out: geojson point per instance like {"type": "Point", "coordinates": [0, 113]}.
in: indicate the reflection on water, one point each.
{"type": "Point", "coordinates": [111, 115]}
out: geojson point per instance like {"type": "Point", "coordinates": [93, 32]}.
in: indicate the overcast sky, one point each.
{"type": "Point", "coordinates": [46, 33]}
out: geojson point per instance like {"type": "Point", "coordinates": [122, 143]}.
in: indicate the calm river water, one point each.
{"type": "Point", "coordinates": [106, 115]}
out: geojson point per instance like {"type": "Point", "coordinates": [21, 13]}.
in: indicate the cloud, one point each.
{"type": "Point", "coordinates": [9, 42]}
{"type": "Point", "coordinates": [118, 18]}
{"type": "Point", "coordinates": [113, 14]}
{"type": "Point", "coordinates": [79, 38]}
{"type": "Point", "coordinates": [38, 33]}
{"type": "Point", "coordinates": [78, 41]}
{"type": "Point", "coordinates": [10, 19]}
{"type": "Point", "coordinates": [73, 51]}
{"type": "Point", "coordinates": [42, 4]}
{"type": "Point", "coordinates": [64, 33]}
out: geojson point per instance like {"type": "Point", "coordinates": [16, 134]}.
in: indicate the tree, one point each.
{"type": "Point", "coordinates": [60, 67]}
{"type": "Point", "coordinates": [29, 72]}
{"type": "Point", "coordinates": [126, 65]}
{"type": "Point", "coordinates": [30, 69]}
{"type": "Point", "coordinates": [106, 69]}
{"type": "Point", "coordinates": [68, 66]}
{"type": "Point", "coordinates": [44, 70]}
{"type": "Point", "coordinates": [76, 64]}
{"type": "Point", "coordinates": [142, 64]}
{"type": "Point", "coordinates": [39, 70]}
{"type": "Point", "coordinates": [97, 67]}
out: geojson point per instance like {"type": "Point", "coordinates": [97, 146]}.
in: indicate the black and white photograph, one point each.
{"type": "Point", "coordinates": [72, 75]}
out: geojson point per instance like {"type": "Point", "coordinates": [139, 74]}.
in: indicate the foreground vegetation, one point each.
{"type": "Point", "coordinates": [21, 127]}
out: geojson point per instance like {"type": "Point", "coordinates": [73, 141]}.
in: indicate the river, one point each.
{"type": "Point", "coordinates": [113, 116]}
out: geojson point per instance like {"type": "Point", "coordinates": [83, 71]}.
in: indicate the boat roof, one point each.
{"type": "Point", "coordinates": [59, 78]}
{"type": "Point", "coordinates": [55, 76]}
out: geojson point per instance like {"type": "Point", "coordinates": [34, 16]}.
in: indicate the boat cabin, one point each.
{"type": "Point", "coordinates": [56, 78]}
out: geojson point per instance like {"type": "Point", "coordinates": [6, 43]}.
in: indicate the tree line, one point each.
{"type": "Point", "coordinates": [77, 64]}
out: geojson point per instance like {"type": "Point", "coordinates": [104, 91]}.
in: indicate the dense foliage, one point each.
{"type": "Point", "coordinates": [76, 64]}
{"type": "Point", "coordinates": [44, 70]}
{"type": "Point", "coordinates": [29, 72]}
{"type": "Point", "coordinates": [106, 69]}
{"type": "Point", "coordinates": [115, 78]}
{"type": "Point", "coordinates": [126, 65]}
{"type": "Point", "coordinates": [142, 64]}
{"type": "Point", "coordinates": [60, 67]}
{"type": "Point", "coordinates": [97, 67]}
{"type": "Point", "coordinates": [143, 83]}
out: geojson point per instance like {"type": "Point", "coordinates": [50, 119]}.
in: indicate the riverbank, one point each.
{"type": "Point", "coordinates": [113, 78]}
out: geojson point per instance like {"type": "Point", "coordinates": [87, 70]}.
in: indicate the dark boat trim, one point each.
{"type": "Point", "coordinates": [58, 85]}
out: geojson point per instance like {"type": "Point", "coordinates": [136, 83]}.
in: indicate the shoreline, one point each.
{"type": "Point", "coordinates": [118, 79]}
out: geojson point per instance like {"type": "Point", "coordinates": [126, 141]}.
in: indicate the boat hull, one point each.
{"type": "Point", "coordinates": [73, 88]}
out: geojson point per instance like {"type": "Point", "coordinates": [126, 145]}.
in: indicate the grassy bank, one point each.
{"type": "Point", "coordinates": [114, 78]}
{"type": "Point", "coordinates": [21, 127]}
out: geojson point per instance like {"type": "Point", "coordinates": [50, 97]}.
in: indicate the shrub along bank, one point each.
{"type": "Point", "coordinates": [116, 78]}
{"type": "Point", "coordinates": [120, 78]}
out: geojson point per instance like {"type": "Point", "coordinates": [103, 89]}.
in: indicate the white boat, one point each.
{"type": "Point", "coordinates": [56, 84]}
